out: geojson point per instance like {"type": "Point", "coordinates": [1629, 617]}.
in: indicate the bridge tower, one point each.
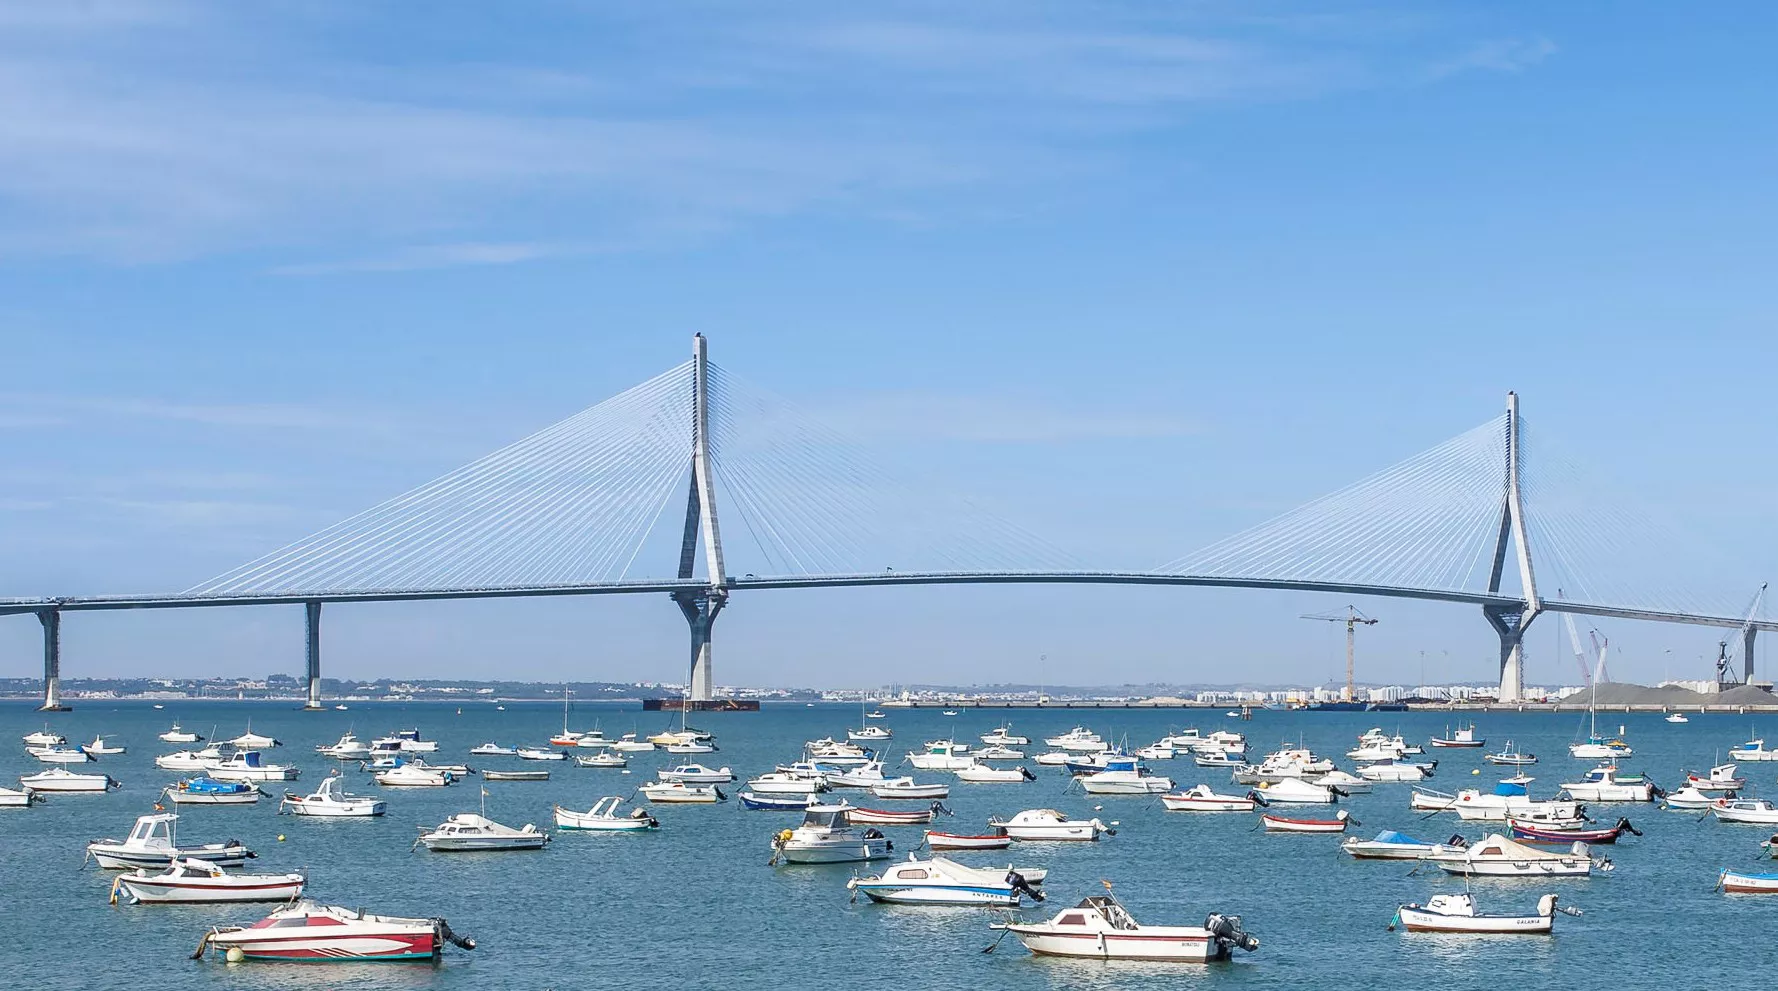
{"type": "Point", "coordinates": [1510, 623]}
{"type": "Point", "coordinates": [701, 606]}
{"type": "Point", "coordinates": [51, 619]}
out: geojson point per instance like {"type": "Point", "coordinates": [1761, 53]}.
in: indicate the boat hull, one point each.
{"type": "Point", "coordinates": [117, 859]}
{"type": "Point", "coordinates": [1517, 868]}
{"type": "Point", "coordinates": [1113, 946]}
{"type": "Point", "coordinates": [1420, 921]}
{"type": "Point", "coordinates": [953, 841]}
{"type": "Point", "coordinates": [1207, 804]}
{"type": "Point", "coordinates": [836, 852]}
{"type": "Point", "coordinates": [918, 792]}
{"type": "Point", "coordinates": [196, 891]}
{"type": "Point", "coordinates": [212, 798]}
{"type": "Point", "coordinates": [1736, 882]}
{"type": "Point", "coordinates": [1278, 824]}
{"type": "Point", "coordinates": [901, 893]}
{"type": "Point", "coordinates": [486, 844]}
{"type": "Point", "coordinates": [332, 949]}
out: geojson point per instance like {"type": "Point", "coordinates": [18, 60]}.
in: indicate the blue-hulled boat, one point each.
{"type": "Point", "coordinates": [209, 791]}
{"type": "Point", "coordinates": [777, 803]}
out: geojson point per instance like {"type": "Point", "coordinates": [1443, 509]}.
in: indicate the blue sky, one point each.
{"type": "Point", "coordinates": [1138, 276]}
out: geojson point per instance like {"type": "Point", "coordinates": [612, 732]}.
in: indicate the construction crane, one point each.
{"type": "Point", "coordinates": [1352, 618]}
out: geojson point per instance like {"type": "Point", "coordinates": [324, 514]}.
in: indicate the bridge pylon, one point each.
{"type": "Point", "coordinates": [701, 606]}
{"type": "Point", "coordinates": [1510, 625]}
{"type": "Point", "coordinates": [52, 660]}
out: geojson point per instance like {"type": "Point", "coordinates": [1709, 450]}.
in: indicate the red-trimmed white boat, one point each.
{"type": "Point", "coordinates": [1202, 799]}
{"type": "Point", "coordinates": [886, 817]}
{"type": "Point", "coordinates": [1281, 824]}
{"type": "Point", "coordinates": [905, 788]}
{"type": "Point", "coordinates": [1456, 913]}
{"type": "Point", "coordinates": [1743, 883]}
{"type": "Point", "coordinates": [1101, 928]}
{"type": "Point", "coordinates": [955, 841]}
{"type": "Point", "coordinates": [193, 881]}
{"type": "Point", "coordinates": [311, 932]}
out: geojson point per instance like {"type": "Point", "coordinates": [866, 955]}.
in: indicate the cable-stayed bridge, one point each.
{"type": "Point", "coordinates": [578, 507]}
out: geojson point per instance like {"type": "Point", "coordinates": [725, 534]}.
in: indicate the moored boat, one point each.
{"type": "Point", "coordinates": [60, 755]}
{"type": "Point", "coordinates": [1202, 799]}
{"type": "Point", "coordinates": [1455, 913]}
{"type": "Point", "coordinates": [682, 793]}
{"type": "Point", "coordinates": [606, 760]}
{"type": "Point", "coordinates": [1745, 810]}
{"type": "Point", "coordinates": [18, 798]}
{"type": "Point", "coordinates": [309, 931]}
{"type": "Point", "coordinates": [151, 843]}
{"type": "Point", "coordinates": [179, 735]}
{"type": "Point", "coordinates": [1523, 830]}
{"type": "Point", "coordinates": [1511, 757]}
{"type": "Point", "coordinates": [1606, 783]}
{"type": "Point", "coordinates": [208, 791]}
{"type": "Point", "coordinates": [1745, 883]}
{"type": "Point", "coordinates": [777, 803]}
{"type": "Point", "coordinates": [1722, 777]}
{"type": "Point", "coordinates": [190, 881]}
{"type": "Point", "coordinates": [696, 774]}
{"type": "Point", "coordinates": [348, 747]}
{"type": "Point", "coordinates": [515, 775]}
{"type": "Point", "coordinates": [1391, 845]}
{"type": "Point", "coordinates": [248, 765]}
{"type": "Point", "coordinates": [1497, 856]}
{"type": "Point", "coordinates": [825, 837]}
{"type": "Point", "coordinates": [1295, 791]}
{"type": "Point", "coordinates": [1754, 750]}
{"type": "Point", "coordinates": [1464, 736]}
{"type": "Point", "coordinates": [1100, 927]}
{"type": "Point", "coordinates": [1285, 824]}
{"type": "Point", "coordinates": [1049, 825]}
{"type": "Point", "coordinates": [780, 783]}
{"type": "Point", "coordinates": [942, 881]}
{"type": "Point", "coordinates": [1689, 799]}
{"type": "Point", "coordinates": [492, 749]}
{"type": "Point", "coordinates": [885, 817]}
{"type": "Point", "coordinates": [982, 774]}
{"type": "Point", "coordinates": [330, 801]}
{"type": "Point", "coordinates": [997, 840]}
{"type": "Point", "coordinates": [405, 775]}
{"type": "Point", "coordinates": [471, 832]}
{"type": "Point", "coordinates": [44, 738]}
{"type": "Point", "coordinates": [60, 779]}
{"type": "Point", "coordinates": [99, 748]}
{"type": "Point", "coordinates": [538, 753]}
{"type": "Point", "coordinates": [603, 817]}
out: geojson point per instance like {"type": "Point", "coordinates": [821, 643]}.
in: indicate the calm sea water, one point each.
{"type": "Point", "coordinates": [694, 905]}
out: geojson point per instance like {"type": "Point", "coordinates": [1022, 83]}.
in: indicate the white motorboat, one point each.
{"type": "Point", "coordinates": [18, 798]}
{"type": "Point", "coordinates": [1055, 758]}
{"type": "Point", "coordinates": [1606, 783]}
{"type": "Point", "coordinates": [1218, 759]}
{"type": "Point", "coordinates": [469, 832]}
{"type": "Point", "coordinates": [681, 793]}
{"type": "Point", "coordinates": [1391, 771]}
{"type": "Point", "coordinates": [907, 788]}
{"type": "Point", "coordinates": [1348, 784]}
{"type": "Point", "coordinates": [603, 817]}
{"type": "Point", "coordinates": [331, 801]}
{"type": "Point", "coordinates": [208, 791]}
{"type": "Point", "coordinates": [538, 753]}
{"type": "Point", "coordinates": [593, 739]}
{"type": "Point", "coordinates": [825, 837]}
{"type": "Point", "coordinates": [188, 760]}
{"type": "Point", "coordinates": [1202, 799]}
{"type": "Point", "coordinates": [1003, 737]}
{"type": "Point", "coordinates": [59, 755]}
{"type": "Point", "coordinates": [870, 734]}
{"type": "Point", "coordinates": [1125, 777]}
{"type": "Point", "coordinates": [692, 747]}
{"type": "Point", "coordinates": [1186, 739]}
{"type": "Point", "coordinates": [876, 715]}
{"type": "Point", "coordinates": [997, 752]}
{"type": "Point", "coordinates": [44, 738]}
{"type": "Point", "coordinates": [1600, 748]}
{"type": "Point", "coordinates": [1690, 799]}
{"type": "Point", "coordinates": [1375, 752]}
{"type": "Point", "coordinates": [248, 765]}
{"type": "Point", "coordinates": [491, 749]}
{"type": "Point", "coordinates": [1463, 737]}
{"type": "Point", "coordinates": [629, 744]}
{"type": "Point", "coordinates": [1497, 856]}
{"type": "Point", "coordinates": [307, 931]}
{"type": "Point", "coordinates": [191, 881]}
{"type": "Point", "coordinates": [1391, 845]}
{"type": "Point", "coordinates": [348, 747]}
{"type": "Point", "coordinates": [1509, 795]}
{"type": "Point", "coordinates": [1754, 750]}
{"type": "Point", "coordinates": [942, 755]}
{"type": "Point", "coordinates": [1286, 824]}
{"type": "Point", "coordinates": [1722, 777]}
{"type": "Point", "coordinates": [1455, 913]}
{"type": "Point", "coordinates": [253, 741]}
{"type": "Point", "coordinates": [982, 774]}
{"type": "Point", "coordinates": [942, 881]}
{"type": "Point", "coordinates": [178, 735]}
{"type": "Point", "coordinates": [411, 743]}
{"type": "Point", "coordinates": [151, 843]}
{"type": "Point", "coordinates": [779, 783]}
{"type": "Point", "coordinates": [1295, 791]}
{"type": "Point", "coordinates": [1049, 825]}
{"type": "Point", "coordinates": [99, 748]}
{"type": "Point", "coordinates": [606, 760]}
{"type": "Point", "coordinates": [1511, 757]}
{"type": "Point", "coordinates": [1283, 764]}
{"type": "Point", "coordinates": [1078, 740]}
{"type": "Point", "coordinates": [1674, 717]}
{"type": "Point", "coordinates": [1749, 810]}
{"type": "Point", "coordinates": [696, 774]}
{"type": "Point", "coordinates": [414, 776]}
{"type": "Point", "coordinates": [60, 779]}
{"type": "Point", "coordinates": [1101, 928]}
{"type": "Point", "coordinates": [867, 775]}
{"type": "Point", "coordinates": [1155, 751]}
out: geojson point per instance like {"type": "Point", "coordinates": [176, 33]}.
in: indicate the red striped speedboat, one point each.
{"type": "Point", "coordinates": [1281, 824]}
{"type": "Point", "coordinates": [308, 931]}
{"type": "Point", "coordinates": [885, 817]}
{"type": "Point", "coordinates": [954, 841]}
{"type": "Point", "coordinates": [1543, 834]}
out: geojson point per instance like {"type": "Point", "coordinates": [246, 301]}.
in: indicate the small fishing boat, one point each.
{"type": "Point", "coordinates": [997, 752]}
{"type": "Point", "coordinates": [1600, 748]}
{"type": "Point", "coordinates": [1283, 824]}
{"type": "Point", "coordinates": [330, 801]}
{"type": "Point", "coordinates": [1536, 833]}
{"type": "Point", "coordinates": [99, 748]}
{"type": "Point", "coordinates": [884, 817]}
{"type": "Point", "coordinates": [941, 881]}
{"type": "Point", "coordinates": [907, 789]}
{"type": "Point", "coordinates": [680, 792]}
{"type": "Point", "coordinates": [151, 844]}
{"type": "Point", "coordinates": [248, 765]}
{"type": "Point", "coordinates": [60, 755]}
{"type": "Point", "coordinates": [1345, 784]}
{"type": "Point", "coordinates": [1394, 771]}
{"type": "Point", "coordinates": [778, 783]}
{"type": "Point", "coordinates": [942, 755]}
{"type": "Point", "coordinates": [515, 775]}
{"type": "Point", "coordinates": [603, 818]}
{"type": "Point", "coordinates": [1689, 799]}
{"type": "Point", "coordinates": [875, 715]}
{"type": "Point", "coordinates": [1124, 776]}
{"type": "Point", "coordinates": [492, 749]}
{"type": "Point", "coordinates": [1003, 737]}
{"type": "Point", "coordinates": [696, 774]}
{"type": "Point", "coordinates": [44, 738]}
{"type": "Point", "coordinates": [1218, 759]}
{"type": "Point", "coordinates": [178, 735]}
{"type": "Point", "coordinates": [471, 832]}
{"type": "Point", "coordinates": [691, 747]}
{"type": "Point", "coordinates": [826, 837]}
{"type": "Point", "coordinates": [18, 798]}
{"type": "Point", "coordinates": [253, 741]}
{"type": "Point", "coordinates": [209, 791]}
{"type": "Point", "coordinates": [1674, 717]}
{"type": "Point", "coordinates": [188, 881]}
{"type": "Point", "coordinates": [1550, 815]}
{"type": "Point", "coordinates": [309, 931]}
{"type": "Point", "coordinates": [1754, 750]}
{"type": "Point", "coordinates": [1455, 913]}
{"type": "Point", "coordinates": [982, 774]}
{"type": "Point", "coordinates": [187, 760]}
{"type": "Point", "coordinates": [1722, 777]}
{"type": "Point", "coordinates": [1744, 883]}
{"type": "Point", "coordinates": [1606, 783]}
{"type": "Point", "coordinates": [777, 803]}
{"type": "Point", "coordinates": [414, 776]}
{"type": "Point", "coordinates": [607, 760]}
{"type": "Point", "coordinates": [1745, 810]}
{"type": "Point", "coordinates": [60, 779]}
{"type": "Point", "coordinates": [1497, 856]}
{"type": "Point", "coordinates": [629, 744]}
{"type": "Point", "coordinates": [409, 742]}
{"type": "Point", "coordinates": [1391, 845]}
{"type": "Point", "coordinates": [1464, 736]}
{"type": "Point", "coordinates": [1511, 757]}
{"type": "Point", "coordinates": [348, 747]}
{"type": "Point", "coordinates": [1101, 928]}
{"type": "Point", "coordinates": [1202, 799]}
{"type": "Point", "coordinates": [538, 753]}
{"type": "Point", "coordinates": [997, 840]}
{"type": "Point", "coordinates": [1078, 740]}
{"type": "Point", "coordinates": [1295, 791]}
{"type": "Point", "coordinates": [1049, 825]}
{"type": "Point", "coordinates": [869, 734]}
{"type": "Point", "coordinates": [867, 775]}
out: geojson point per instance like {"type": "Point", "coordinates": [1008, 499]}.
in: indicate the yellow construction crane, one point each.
{"type": "Point", "coordinates": [1352, 618]}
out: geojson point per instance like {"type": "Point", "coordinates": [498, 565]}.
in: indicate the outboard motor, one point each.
{"type": "Point", "coordinates": [1623, 826]}
{"type": "Point", "coordinates": [1226, 930]}
{"type": "Point", "coordinates": [1457, 841]}
{"type": "Point", "coordinates": [1019, 885]}
{"type": "Point", "coordinates": [462, 942]}
{"type": "Point", "coordinates": [1258, 799]}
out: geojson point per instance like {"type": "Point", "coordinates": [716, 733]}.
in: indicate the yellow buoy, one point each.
{"type": "Point", "coordinates": [1476, 771]}
{"type": "Point", "coordinates": [280, 837]}
{"type": "Point", "coordinates": [234, 955]}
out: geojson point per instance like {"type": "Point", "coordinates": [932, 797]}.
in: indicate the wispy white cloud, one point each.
{"type": "Point", "coordinates": [1509, 55]}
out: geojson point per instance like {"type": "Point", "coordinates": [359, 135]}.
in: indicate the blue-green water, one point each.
{"type": "Point", "coordinates": [694, 905]}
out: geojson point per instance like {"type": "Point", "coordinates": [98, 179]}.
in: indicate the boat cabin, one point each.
{"type": "Point", "coordinates": [825, 817]}
{"type": "Point", "coordinates": [1102, 909]}
{"type": "Point", "coordinates": [153, 830]}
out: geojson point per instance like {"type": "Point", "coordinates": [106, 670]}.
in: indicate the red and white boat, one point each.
{"type": "Point", "coordinates": [955, 841]}
{"type": "Point", "coordinates": [308, 931]}
{"type": "Point", "coordinates": [1100, 927]}
{"type": "Point", "coordinates": [1280, 824]}
{"type": "Point", "coordinates": [1539, 833]}
{"type": "Point", "coordinates": [885, 817]}
{"type": "Point", "coordinates": [192, 881]}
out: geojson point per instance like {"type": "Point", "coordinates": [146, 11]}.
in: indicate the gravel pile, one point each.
{"type": "Point", "coordinates": [1624, 693]}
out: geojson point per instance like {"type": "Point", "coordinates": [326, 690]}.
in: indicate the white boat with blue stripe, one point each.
{"type": "Point", "coordinates": [942, 881]}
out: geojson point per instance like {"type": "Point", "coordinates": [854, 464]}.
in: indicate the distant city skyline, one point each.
{"type": "Point", "coordinates": [1137, 278]}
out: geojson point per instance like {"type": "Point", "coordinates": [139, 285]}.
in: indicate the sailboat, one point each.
{"type": "Point", "coordinates": [568, 738]}
{"type": "Point", "coordinates": [1595, 747]}
{"type": "Point", "coordinates": [866, 733]}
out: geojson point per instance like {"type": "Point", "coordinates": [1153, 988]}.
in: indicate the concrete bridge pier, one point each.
{"type": "Point", "coordinates": [700, 609]}
{"type": "Point", "coordinates": [312, 644]}
{"type": "Point", "coordinates": [1510, 626]}
{"type": "Point", "coordinates": [52, 660]}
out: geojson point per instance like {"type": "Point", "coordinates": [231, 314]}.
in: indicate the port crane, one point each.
{"type": "Point", "coordinates": [1353, 619]}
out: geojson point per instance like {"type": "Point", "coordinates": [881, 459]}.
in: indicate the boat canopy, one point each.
{"type": "Point", "coordinates": [1510, 788]}
{"type": "Point", "coordinates": [1391, 836]}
